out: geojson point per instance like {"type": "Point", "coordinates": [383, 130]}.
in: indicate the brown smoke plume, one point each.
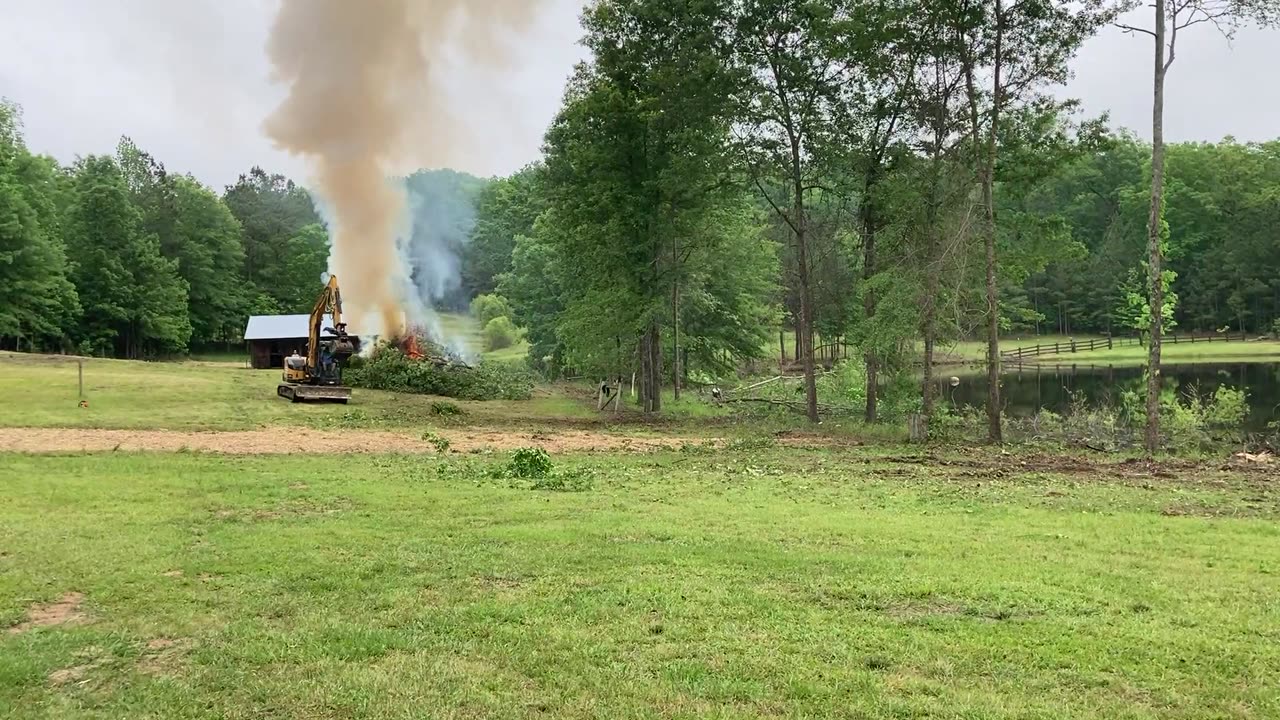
{"type": "Point", "coordinates": [364, 106]}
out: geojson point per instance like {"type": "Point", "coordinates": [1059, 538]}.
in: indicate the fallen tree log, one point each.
{"type": "Point", "coordinates": [797, 405]}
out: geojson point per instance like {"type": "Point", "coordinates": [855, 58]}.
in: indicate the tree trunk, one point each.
{"type": "Point", "coordinates": [651, 369]}
{"type": "Point", "coordinates": [1154, 250]}
{"type": "Point", "coordinates": [675, 317]}
{"type": "Point", "coordinates": [799, 227]}
{"type": "Point", "coordinates": [805, 331]}
{"type": "Point", "coordinates": [929, 330]}
{"type": "Point", "coordinates": [869, 298]}
{"type": "Point", "coordinates": [994, 432]}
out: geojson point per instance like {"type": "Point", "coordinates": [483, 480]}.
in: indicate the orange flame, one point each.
{"type": "Point", "coordinates": [409, 346]}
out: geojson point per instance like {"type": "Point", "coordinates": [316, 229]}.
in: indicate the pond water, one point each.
{"type": "Point", "coordinates": [1028, 388]}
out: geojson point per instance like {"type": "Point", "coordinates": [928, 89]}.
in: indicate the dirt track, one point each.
{"type": "Point", "coordinates": [298, 440]}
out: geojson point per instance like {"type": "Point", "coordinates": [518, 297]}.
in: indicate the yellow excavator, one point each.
{"type": "Point", "coordinates": [318, 375]}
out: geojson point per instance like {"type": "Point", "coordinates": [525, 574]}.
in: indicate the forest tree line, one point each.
{"type": "Point", "coordinates": [891, 174]}
{"type": "Point", "coordinates": [885, 173]}
{"type": "Point", "coordinates": [115, 255]}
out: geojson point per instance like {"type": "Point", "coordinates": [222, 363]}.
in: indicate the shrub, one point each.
{"type": "Point", "coordinates": [529, 463]}
{"type": "Point", "coordinates": [441, 444]}
{"type": "Point", "coordinates": [388, 369]}
{"type": "Point", "coordinates": [445, 409]}
{"type": "Point", "coordinates": [531, 469]}
{"type": "Point", "coordinates": [500, 333]}
{"type": "Point", "coordinates": [1227, 408]}
{"type": "Point", "coordinates": [487, 307]}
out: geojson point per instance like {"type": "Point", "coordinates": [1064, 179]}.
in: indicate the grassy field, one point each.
{"type": "Point", "coordinates": [466, 327]}
{"type": "Point", "coordinates": [806, 576]}
{"type": "Point", "coordinates": [745, 583]}
{"type": "Point", "coordinates": [975, 351]}
{"type": "Point", "coordinates": [1233, 351]}
{"type": "Point", "coordinates": [42, 391]}
{"type": "Point", "coordinates": [953, 352]}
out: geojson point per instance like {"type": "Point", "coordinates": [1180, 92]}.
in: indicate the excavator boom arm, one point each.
{"type": "Point", "coordinates": [330, 301]}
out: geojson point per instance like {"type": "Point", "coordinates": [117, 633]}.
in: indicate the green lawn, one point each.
{"type": "Point", "coordinates": [42, 391]}
{"type": "Point", "coordinates": [466, 327]}
{"type": "Point", "coordinates": [767, 583]}
{"type": "Point", "coordinates": [1183, 352]}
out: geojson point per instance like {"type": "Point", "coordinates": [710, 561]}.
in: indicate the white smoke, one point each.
{"type": "Point", "coordinates": [368, 96]}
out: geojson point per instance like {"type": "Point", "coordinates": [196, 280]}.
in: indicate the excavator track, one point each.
{"type": "Point", "coordinates": [310, 393]}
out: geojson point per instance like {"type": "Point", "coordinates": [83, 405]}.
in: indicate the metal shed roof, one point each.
{"type": "Point", "coordinates": [278, 327]}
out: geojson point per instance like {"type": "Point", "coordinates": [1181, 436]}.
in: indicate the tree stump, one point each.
{"type": "Point", "coordinates": [917, 428]}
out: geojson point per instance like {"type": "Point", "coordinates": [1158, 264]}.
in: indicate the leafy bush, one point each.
{"type": "Point", "coordinates": [531, 468]}
{"type": "Point", "coordinates": [500, 333]}
{"type": "Point", "coordinates": [487, 307]}
{"type": "Point", "coordinates": [955, 424]}
{"type": "Point", "coordinates": [529, 463]}
{"type": "Point", "coordinates": [445, 409]}
{"type": "Point", "coordinates": [844, 390]}
{"type": "Point", "coordinates": [441, 444]}
{"type": "Point", "coordinates": [388, 369]}
{"type": "Point", "coordinates": [1227, 408]}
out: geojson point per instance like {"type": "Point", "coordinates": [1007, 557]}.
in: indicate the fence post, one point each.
{"type": "Point", "coordinates": [1073, 344]}
{"type": "Point", "coordinates": [1109, 347]}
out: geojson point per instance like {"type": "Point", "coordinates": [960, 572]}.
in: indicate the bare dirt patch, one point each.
{"type": "Point", "coordinates": [299, 440]}
{"type": "Point", "coordinates": [65, 611]}
{"type": "Point", "coordinates": [164, 656]}
{"type": "Point", "coordinates": [69, 675]}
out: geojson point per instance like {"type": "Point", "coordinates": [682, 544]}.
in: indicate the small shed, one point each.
{"type": "Point", "coordinates": [272, 338]}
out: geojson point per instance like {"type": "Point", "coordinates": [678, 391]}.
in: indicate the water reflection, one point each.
{"type": "Point", "coordinates": [1025, 389]}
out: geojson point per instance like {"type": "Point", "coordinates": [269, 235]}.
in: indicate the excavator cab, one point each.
{"type": "Point", "coordinates": [318, 374]}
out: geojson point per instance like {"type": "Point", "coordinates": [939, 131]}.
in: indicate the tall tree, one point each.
{"type": "Point", "coordinates": [1021, 48]}
{"type": "Point", "coordinates": [210, 255]}
{"type": "Point", "coordinates": [1172, 17]}
{"type": "Point", "coordinates": [135, 302]}
{"type": "Point", "coordinates": [879, 64]}
{"type": "Point", "coordinates": [788, 47]}
{"type": "Point", "coordinates": [634, 160]}
{"type": "Point", "coordinates": [272, 210]}
{"type": "Point", "coordinates": [506, 209]}
{"type": "Point", "coordinates": [38, 304]}
{"type": "Point", "coordinates": [197, 231]}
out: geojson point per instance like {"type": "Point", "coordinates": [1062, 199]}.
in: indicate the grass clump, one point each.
{"type": "Point", "coordinates": [445, 409]}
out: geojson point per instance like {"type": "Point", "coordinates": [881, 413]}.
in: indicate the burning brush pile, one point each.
{"type": "Point", "coordinates": [417, 364]}
{"type": "Point", "coordinates": [417, 345]}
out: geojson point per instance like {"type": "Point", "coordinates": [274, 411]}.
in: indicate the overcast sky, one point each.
{"type": "Point", "coordinates": [189, 81]}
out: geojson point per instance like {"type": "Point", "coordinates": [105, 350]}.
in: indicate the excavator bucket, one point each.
{"type": "Point", "coordinates": [308, 393]}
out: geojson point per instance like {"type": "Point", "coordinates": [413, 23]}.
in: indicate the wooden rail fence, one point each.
{"type": "Point", "coordinates": [1072, 346]}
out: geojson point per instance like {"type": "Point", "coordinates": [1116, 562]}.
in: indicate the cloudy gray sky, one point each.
{"type": "Point", "coordinates": [189, 81]}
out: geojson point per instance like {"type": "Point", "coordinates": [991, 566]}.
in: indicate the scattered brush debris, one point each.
{"type": "Point", "coordinates": [531, 468]}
